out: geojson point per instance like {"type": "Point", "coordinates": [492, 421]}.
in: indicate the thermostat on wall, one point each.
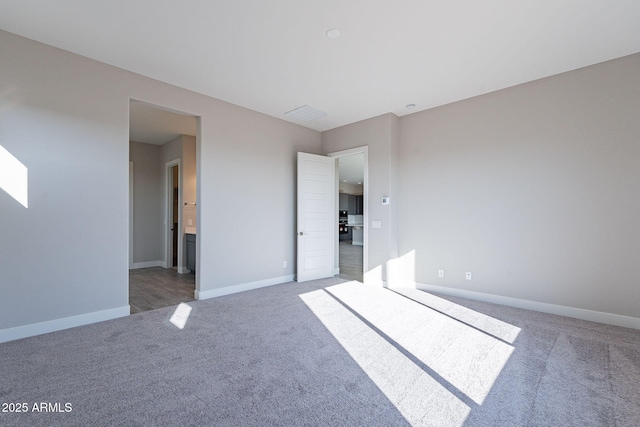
{"type": "Point", "coordinates": [385, 200]}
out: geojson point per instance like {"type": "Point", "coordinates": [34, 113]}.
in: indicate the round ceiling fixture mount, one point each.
{"type": "Point", "coordinates": [333, 33]}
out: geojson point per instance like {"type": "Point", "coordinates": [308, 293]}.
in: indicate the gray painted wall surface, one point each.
{"type": "Point", "coordinates": [67, 119]}
{"type": "Point", "coordinates": [380, 135]}
{"type": "Point", "coordinates": [150, 180]}
{"type": "Point", "coordinates": [148, 196]}
{"type": "Point", "coordinates": [182, 148]}
{"type": "Point", "coordinates": [189, 179]}
{"type": "Point", "coordinates": [534, 189]}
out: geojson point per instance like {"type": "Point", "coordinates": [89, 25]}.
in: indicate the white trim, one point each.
{"type": "Point", "coordinates": [147, 264]}
{"type": "Point", "coordinates": [130, 214]}
{"type": "Point", "coordinates": [198, 201]}
{"type": "Point", "coordinates": [183, 270]}
{"type": "Point", "coordinates": [561, 310]}
{"type": "Point", "coordinates": [336, 271]}
{"type": "Point", "coordinates": [243, 287]}
{"type": "Point", "coordinates": [349, 152]}
{"type": "Point", "coordinates": [65, 323]}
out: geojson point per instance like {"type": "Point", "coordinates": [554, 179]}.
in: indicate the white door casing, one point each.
{"type": "Point", "coordinates": [130, 215]}
{"type": "Point", "coordinates": [315, 215]}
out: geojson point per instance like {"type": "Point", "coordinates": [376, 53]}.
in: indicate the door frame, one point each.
{"type": "Point", "coordinates": [131, 199]}
{"type": "Point", "coordinates": [168, 204]}
{"type": "Point", "coordinates": [365, 196]}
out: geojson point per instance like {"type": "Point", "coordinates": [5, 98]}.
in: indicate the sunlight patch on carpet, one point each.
{"type": "Point", "coordinates": [418, 396]}
{"type": "Point", "coordinates": [180, 316]}
{"type": "Point", "coordinates": [465, 357]}
{"type": "Point", "coordinates": [499, 329]}
{"type": "Point", "coordinates": [434, 360]}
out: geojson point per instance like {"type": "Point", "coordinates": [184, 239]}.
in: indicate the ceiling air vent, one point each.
{"type": "Point", "coordinates": [305, 113]}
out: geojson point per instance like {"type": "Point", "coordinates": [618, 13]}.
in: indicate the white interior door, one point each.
{"type": "Point", "coordinates": [316, 216]}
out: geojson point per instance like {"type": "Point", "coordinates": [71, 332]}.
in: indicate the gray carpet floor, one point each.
{"type": "Point", "coordinates": [329, 352]}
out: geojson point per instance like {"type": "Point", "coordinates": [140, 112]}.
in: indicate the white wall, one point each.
{"type": "Point", "coordinates": [534, 189]}
{"type": "Point", "coordinates": [64, 260]}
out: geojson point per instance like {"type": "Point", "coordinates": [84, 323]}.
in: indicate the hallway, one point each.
{"type": "Point", "coordinates": [351, 260]}
{"type": "Point", "coordinates": [157, 287]}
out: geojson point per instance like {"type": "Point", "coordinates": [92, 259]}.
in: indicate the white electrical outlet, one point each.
{"type": "Point", "coordinates": [284, 264]}
{"type": "Point", "coordinates": [468, 275]}
{"type": "Point", "coordinates": [440, 273]}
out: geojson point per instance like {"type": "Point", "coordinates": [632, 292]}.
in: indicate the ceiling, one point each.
{"type": "Point", "coordinates": [273, 56]}
{"type": "Point", "coordinates": [155, 126]}
{"type": "Point", "coordinates": [351, 169]}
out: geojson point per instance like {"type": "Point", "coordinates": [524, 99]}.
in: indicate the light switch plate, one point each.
{"type": "Point", "coordinates": [375, 224]}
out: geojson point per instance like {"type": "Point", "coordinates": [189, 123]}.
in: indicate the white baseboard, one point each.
{"type": "Point", "coordinates": [148, 264]}
{"type": "Point", "coordinates": [561, 310]}
{"type": "Point", "coordinates": [183, 270]}
{"type": "Point", "coordinates": [357, 243]}
{"type": "Point", "coordinates": [60, 324]}
{"type": "Point", "coordinates": [228, 290]}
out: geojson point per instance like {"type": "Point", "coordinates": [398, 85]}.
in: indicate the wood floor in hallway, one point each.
{"type": "Point", "coordinates": [351, 260]}
{"type": "Point", "coordinates": [157, 287]}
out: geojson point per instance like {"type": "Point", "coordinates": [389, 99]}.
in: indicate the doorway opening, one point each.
{"type": "Point", "coordinates": [351, 193]}
{"type": "Point", "coordinates": [173, 199]}
{"type": "Point", "coordinates": [162, 155]}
